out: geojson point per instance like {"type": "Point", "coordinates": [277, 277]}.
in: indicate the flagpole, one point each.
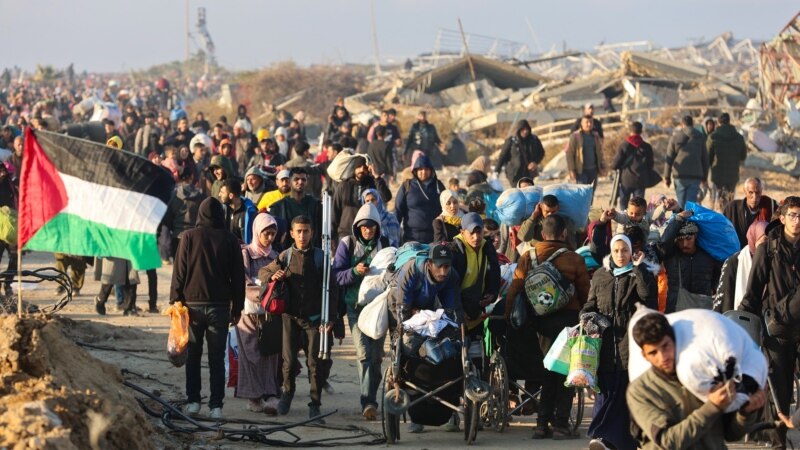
{"type": "Point", "coordinates": [19, 280]}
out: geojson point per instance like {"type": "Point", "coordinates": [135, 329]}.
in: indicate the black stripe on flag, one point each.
{"type": "Point", "coordinates": [104, 165]}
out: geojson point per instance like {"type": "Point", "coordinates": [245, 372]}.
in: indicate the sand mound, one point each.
{"type": "Point", "coordinates": [55, 395]}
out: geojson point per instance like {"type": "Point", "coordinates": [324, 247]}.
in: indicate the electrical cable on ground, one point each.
{"type": "Point", "coordinates": [253, 432]}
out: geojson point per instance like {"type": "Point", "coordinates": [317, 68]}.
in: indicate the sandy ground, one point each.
{"type": "Point", "coordinates": [148, 332]}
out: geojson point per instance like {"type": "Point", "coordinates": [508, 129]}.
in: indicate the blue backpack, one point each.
{"type": "Point", "coordinates": [406, 252]}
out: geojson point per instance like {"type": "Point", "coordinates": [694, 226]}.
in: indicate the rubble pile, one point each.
{"type": "Point", "coordinates": [55, 395]}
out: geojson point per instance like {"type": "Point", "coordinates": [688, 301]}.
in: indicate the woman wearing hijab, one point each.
{"type": "Point", "coordinates": [390, 227]}
{"type": "Point", "coordinates": [615, 290]}
{"type": "Point", "coordinates": [448, 225]}
{"type": "Point", "coordinates": [259, 375]}
{"type": "Point", "coordinates": [736, 270]}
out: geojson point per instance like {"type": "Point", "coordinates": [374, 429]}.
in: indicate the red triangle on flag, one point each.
{"type": "Point", "coordinates": [42, 194]}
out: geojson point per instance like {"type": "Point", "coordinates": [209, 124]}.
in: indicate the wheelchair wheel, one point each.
{"type": "Point", "coordinates": [470, 420]}
{"type": "Point", "coordinates": [576, 413]}
{"type": "Point", "coordinates": [494, 412]}
{"type": "Point", "coordinates": [389, 422]}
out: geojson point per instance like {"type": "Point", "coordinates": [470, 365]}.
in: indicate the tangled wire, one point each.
{"type": "Point", "coordinates": [9, 301]}
{"type": "Point", "coordinates": [174, 419]}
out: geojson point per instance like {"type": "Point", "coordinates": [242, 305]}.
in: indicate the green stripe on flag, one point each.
{"type": "Point", "coordinates": [69, 233]}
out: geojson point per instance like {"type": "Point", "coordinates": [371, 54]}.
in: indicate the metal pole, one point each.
{"type": "Point", "coordinates": [374, 37]}
{"type": "Point", "coordinates": [19, 281]}
{"type": "Point", "coordinates": [466, 51]}
{"type": "Point", "coordinates": [326, 267]}
{"type": "Point", "coordinates": [186, 56]}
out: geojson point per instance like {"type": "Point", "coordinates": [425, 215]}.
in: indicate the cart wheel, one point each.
{"type": "Point", "coordinates": [389, 422]}
{"type": "Point", "coordinates": [576, 414]}
{"type": "Point", "coordinates": [496, 408]}
{"type": "Point", "coordinates": [470, 420]}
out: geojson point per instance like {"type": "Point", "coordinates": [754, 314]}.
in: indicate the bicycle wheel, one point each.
{"type": "Point", "coordinates": [576, 413]}
{"type": "Point", "coordinates": [495, 410]}
{"type": "Point", "coordinates": [389, 422]}
{"type": "Point", "coordinates": [470, 421]}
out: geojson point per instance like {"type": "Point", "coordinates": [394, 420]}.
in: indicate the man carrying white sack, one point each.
{"type": "Point", "coordinates": [667, 414]}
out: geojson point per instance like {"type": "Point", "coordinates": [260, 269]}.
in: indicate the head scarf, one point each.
{"type": "Point", "coordinates": [756, 230]}
{"type": "Point", "coordinates": [628, 267]}
{"type": "Point", "coordinates": [444, 197]}
{"type": "Point", "coordinates": [261, 222]}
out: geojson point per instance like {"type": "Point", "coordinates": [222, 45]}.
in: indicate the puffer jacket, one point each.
{"type": "Point", "coordinates": [698, 273]}
{"type": "Point", "coordinates": [726, 152]}
{"type": "Point", "coordinates": [774, 278]}
{"type": "Point", "coordinates": [517, 152]}
{"type": "Point", "coordinates": [686, 155]}
{"type": "Point", "coordinates": [417, 204]}
{"type": "Point", "coordinates": [616, 297]}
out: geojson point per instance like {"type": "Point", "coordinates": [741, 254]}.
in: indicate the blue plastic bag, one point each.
{"type": "Point", "coordinates": [574, 200]}
{"type": "Point", "coordinates": [511, 207]}
{"type": "Point", "coordinates": [717, 235]}
{"type": "Point", "coordinates": [533, 195]}
{"type": "Point", "coordinates": [490, 199]}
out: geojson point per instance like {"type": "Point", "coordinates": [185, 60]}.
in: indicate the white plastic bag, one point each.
{"type": "Point", "coordinates": [557, 358]}
{"type": "Point", "coordinates": [342, 168]}
{"type": "Point", "coordinates": [704, 340]}
{"type": "Point", "coordinates": [373, 320]}
{"type": "Point", "coordinates": [373, 283]}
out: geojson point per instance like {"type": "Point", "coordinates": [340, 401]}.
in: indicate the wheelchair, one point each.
{"type": "Point", "coordinates": [429, 393]}
{"type": "Point", "coordinates": [502, 375]}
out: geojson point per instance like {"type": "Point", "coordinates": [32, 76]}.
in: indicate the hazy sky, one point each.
{"type": "Point", "coordinates": [113, 35]}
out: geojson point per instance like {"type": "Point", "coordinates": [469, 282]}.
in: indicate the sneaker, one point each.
{"type": "Point", "coordinates": [76, 292]}
{"type": "Point", "coordinates": [131, 312]}
{"type": "Point", "coordinates": [271, 406]}
{"type": "Point", "coordinates": [452, 424]}
{"type": "Point", "coordinates": [328, 388]}
{"type": "Point", "coordinates": [284, 404]}
{"type": "Point", "coordinates": [153, 310]}
{"type": "Point", "coordinates": [313, 411]}
{"type": "Point", "coordinates": [100, 307]}
{"type": "Point", "coordinates": [370, 413]}
{"type": "Point", "coordinates": [564, 433]}
{"type": "Point", "coordinates": [256, 405]}
{"type": "Point", "coordinates": [166, 262]}
{"type": "Point", "coordinates": [542, 432]}
{"type": "Point", "coordinates": [415, 428]}
{"type": "Point", "coordinates": [216, 413]}
{"type": "Point", "coordinates": [598, 444]}
{"type": "Point", "coordinates": [192, 409]}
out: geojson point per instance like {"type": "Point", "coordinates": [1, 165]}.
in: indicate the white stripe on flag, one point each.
{"type": "Point", "coordinates": [114, 207]}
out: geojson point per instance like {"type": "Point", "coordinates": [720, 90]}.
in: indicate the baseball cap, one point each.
{"type": "Point", "coordinates": [471, 221]}
{"type": "Point", "coordinates": [285, 173]}
{"type": "Point", "coordinates": [440, 254]}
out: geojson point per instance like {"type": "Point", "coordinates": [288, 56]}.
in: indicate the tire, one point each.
{"type": "Point", "coordinates": [389, 422]}
{"type": "Point", "coordinates": [470, 421]}
{"type": "Point", "coordinates": [496, 408]}
{"type": "Point", "coordinates": [576, 413]}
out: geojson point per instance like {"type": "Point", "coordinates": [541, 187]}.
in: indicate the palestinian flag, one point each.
{"type": "Point", "coordinates": [83, 198]}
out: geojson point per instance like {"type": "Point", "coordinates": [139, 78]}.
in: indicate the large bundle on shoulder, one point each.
{"type": "Point", "coordinates": [343, 165]}
{"type": "Point", "coordinates": [574, 201]}
{"type": "Point", "coordinates": [717, 236]}
{"type": "Point", "coordinates": [709, 348]}
{"type": "Point", "coordinates": [515, 205]}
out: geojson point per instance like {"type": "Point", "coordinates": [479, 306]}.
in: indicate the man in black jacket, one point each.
{"type": "Point", "coordinates": [772, 294]}
{"type": "Point", "coordinates": [634, 161]}
{"type": "Point", "coordinates": [208, 277]}
{"type": "Point", "coordinates": [423, 136]}
{"type": "Point", "coordinates": [298, 203]}
{"type": "Point", "coordinates": [301, 268]}
{"type": "Point", "coordinates": [347, 197]}
{"type": "Point", "coordinates": [521, 154]}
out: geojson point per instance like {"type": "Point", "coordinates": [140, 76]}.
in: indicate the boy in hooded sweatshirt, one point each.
{"type": "Point", "coordinates": [350, 265]}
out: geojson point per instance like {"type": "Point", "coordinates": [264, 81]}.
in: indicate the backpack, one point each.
{"type": "Point", "coordinates": [547, 290]}
{"type": "Point", "coordinates": [406, 252]}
